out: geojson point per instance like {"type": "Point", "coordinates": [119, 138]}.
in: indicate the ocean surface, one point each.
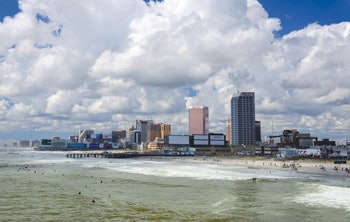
{"type": "Point", "coordinates": [47, 186]}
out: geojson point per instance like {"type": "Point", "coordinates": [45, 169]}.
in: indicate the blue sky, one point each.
{"type": "Point", "coordinates": [294, 14]}
{"type": "Point", "coordinates": [61, 71]}
{"type": "Point", "coordinates": [8, 8]}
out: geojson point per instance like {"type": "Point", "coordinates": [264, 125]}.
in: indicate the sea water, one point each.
{"type": "Point", "coordinates": [47, 186]}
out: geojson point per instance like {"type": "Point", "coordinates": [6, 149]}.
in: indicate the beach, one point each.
{"type": "Point", "coordinates": [306, 166]}
{"type": "Point", "coordinates": [324, 167]}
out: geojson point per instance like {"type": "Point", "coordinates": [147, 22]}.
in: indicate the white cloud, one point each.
{"type": "Point", "coordinates": [103, 64]}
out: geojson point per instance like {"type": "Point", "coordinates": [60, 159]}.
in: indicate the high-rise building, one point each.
{"type": "Point", "coordinates": [258, 131]}
{"type": "Point", "coordinates": [157, 130]}
{"type": "Point", "coordinates": [141, 125]}
{"type": "Point", "coordinates": [153, 131]}
{"type": "Point", "coordinates": [24, 143]}
{"type": "Point", "coordinates": [85, 135]}
{"type": "Point", "coordinates": [165, 130]}
{"type": "Point", "coordinates": [117, 135]}
{"type": "Point", "coordinates": [243, 119]}
{"type": "Point", "coordinates": [132, 128]}
{"type": "Point", "coordinates": [228, 131]}
{"type": "Point", "coordinates": [198, 120]}
{"type": "Point", "coordinates": [135, 137]}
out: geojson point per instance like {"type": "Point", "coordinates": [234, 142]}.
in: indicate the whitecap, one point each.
{"type": "Point", "coordinates": [326, 196]}
{"type": "Point", "coordinates": [196, 170]}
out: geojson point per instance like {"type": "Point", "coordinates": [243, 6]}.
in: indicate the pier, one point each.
{"type": "Point", "coordinates": [84, 155]}
{"type": "Point", "coordinates": [103, 155]}
{"type": "Point", "coordinates": [120, 155]}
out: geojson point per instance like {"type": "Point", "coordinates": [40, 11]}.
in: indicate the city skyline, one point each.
{"type": "Point", "coordinates": [116, 62]}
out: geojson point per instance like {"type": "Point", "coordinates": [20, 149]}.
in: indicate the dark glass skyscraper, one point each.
{"type": "Point", "coordinates": [243, 119]}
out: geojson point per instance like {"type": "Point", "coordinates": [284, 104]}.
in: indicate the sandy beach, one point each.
{"type": "Point", "coordinates": [324, 167]}
{"type": "Point", "coordinates": [317, 166]}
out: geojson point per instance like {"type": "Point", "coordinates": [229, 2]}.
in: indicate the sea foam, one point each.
{"type": "Point", "coordinates": [327, 196]}
{"type": "Point", "coordinates": [196, 170]}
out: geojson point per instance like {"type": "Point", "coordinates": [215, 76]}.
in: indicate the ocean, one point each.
{"type": "Point", "coordinates": [47, 186]}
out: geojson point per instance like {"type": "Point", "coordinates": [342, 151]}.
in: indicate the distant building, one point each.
{"type": "Point", "coordinates": [165, 130]}
{"type": "Point", "coordinates": [35, 143]}
{"type": "Point", "coordinates": [157, 130]}
{"type": "Point", "coordinates": [243, 119]}
{"type": "Point", "coordinates": [153, 131]}
{"type": "Point", "coordinates": [141, 125]}
{"type": "Point", "coordinates": [135, 137]}
{"type": "Point", "coordinates": [228, 131]}
{"type": "Point", "coordinates": [325, 142]}
{"type": "Point", "coordinates": [198, 120]}
{"type": "Point", "coordinates": [157, 144]}
{"type": "Point", "coordinates": [117, 135]}
{"type": "Point", "coordinates": [132, 128]}
{"type": "Point", "coordinates": [304, 140]}
{"type": "Point", "coordinates": [258, 131]}
{"type": "Point", "coordinates": [177, 140]}
{"type": "Point", "coordinates": [24, 143]}
{"type": "Point", "coordinates": [85, 135]}
{"type": "Point", "coordinates": [292, 138]}
{"type": "Point", "coordinates": [73, 138]}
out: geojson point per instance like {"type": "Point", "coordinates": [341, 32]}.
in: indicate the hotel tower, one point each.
{"type": "Point", "coordinates": [243, 119]}
{"type": "Point", "coordinates": [198, 120]}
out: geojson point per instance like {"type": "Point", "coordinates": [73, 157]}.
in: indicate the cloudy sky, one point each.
{"type": "Point", "coordinates": [70, 64]}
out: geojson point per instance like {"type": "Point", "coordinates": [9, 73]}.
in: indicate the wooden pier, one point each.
{"type": "Point", "coordinates": [84, 155]}
{"type": "Point", "coordinates": [103, 155]}
{"type": "Point", "coordinates": [119, 155]}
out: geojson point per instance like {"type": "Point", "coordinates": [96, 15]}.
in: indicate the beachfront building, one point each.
{"type": "Point", "coordinates": [23, 143]}
{"type": "Point", "coordinates": [153, 131]}
{"type": "Point", "coordinates": [117, 135]}
{"type": "Point", "coordinates": [156, 145]}
{"type": "Point", "coordinates": [243, 129]}
{"type": "Point", "coordinates": [258, 131]}
{"type": "Point", "coordinates": [141, 125]}
{"type": "Point", "coordinates": [85, 135]}
{"type": "Point", "coordinates": [165, 130]}
{"type": "Point", "coordinates": [135, 137]}
{"type": "Point", "coordinates": [228, 131]}
{"type": "Point", "coordinates": [157, 130]}
{"type": "Point", "coordinates": [132, 128]}
{"type": "Point", "coordinates": [198, 120]}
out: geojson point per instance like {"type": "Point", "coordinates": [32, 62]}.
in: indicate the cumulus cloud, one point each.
{"type": "Point", "coordinates": [67, 65]}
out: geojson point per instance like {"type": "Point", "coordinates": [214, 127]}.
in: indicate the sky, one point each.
{"type": "Point", "coordinates": [101, 65]}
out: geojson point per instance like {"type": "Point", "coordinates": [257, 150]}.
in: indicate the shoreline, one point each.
{"type": "Point", "coordinates": [308, 166]}
{"type": "Point", "coordinates": [315, 167]}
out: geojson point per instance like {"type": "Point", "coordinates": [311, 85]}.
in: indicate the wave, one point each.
{"type": "Point", "coordinates": [196, 170]}
{"type": "Point", "coordinates": [325, 196]}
